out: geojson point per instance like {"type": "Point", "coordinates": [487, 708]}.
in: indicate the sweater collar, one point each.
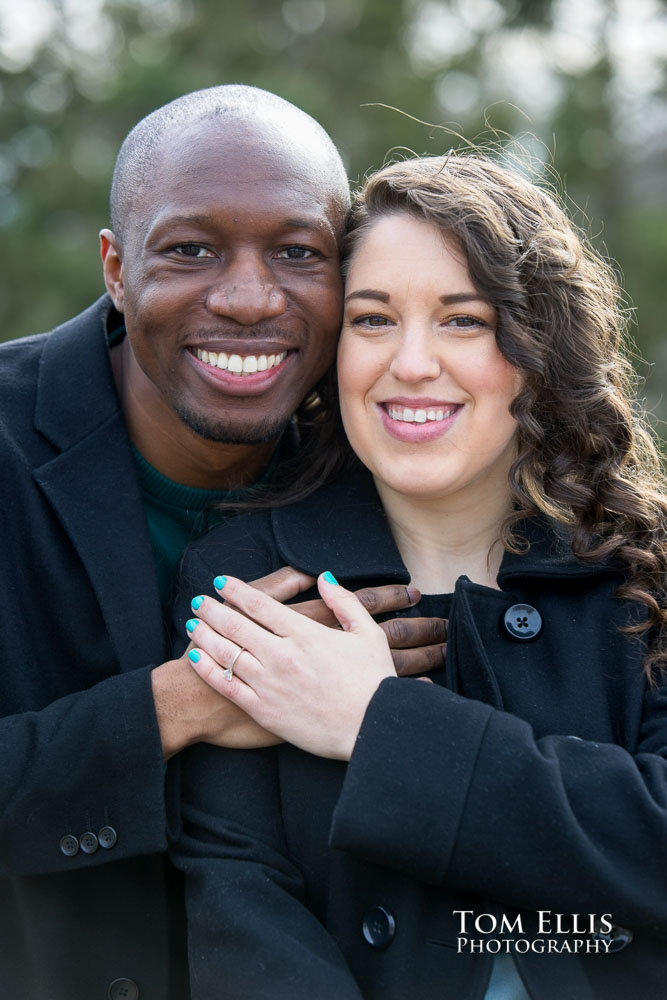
{"type": "Point", "coordinates": [354, 540]}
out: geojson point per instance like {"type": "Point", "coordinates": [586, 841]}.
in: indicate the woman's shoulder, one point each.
{"type": "Point", "coordinates": [242, 545]}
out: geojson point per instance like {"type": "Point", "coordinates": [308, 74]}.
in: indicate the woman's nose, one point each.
{"type": "Point", "coordinates": [416, 357]}
{"type": "Point", "coordinates": [247, 291]}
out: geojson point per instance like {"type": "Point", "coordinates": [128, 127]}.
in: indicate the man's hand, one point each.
{"type": "Point", "coordinates": [189, 711]}
{"type": "Point", "coordinates": [417, 644]}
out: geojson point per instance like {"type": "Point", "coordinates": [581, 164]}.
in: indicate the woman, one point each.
{"type": "Point", "coordinates": [501, 832]}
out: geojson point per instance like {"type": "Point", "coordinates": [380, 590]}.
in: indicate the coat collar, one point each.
{"type": "Point", "coordinates": [91, 483]}
{"type": "Point", "coordinates": [354, 540]}
{"type": "Point", "coordinates": [74, 368]}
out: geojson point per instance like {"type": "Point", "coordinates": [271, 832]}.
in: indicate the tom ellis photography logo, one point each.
{"type": "Point", "coordinates": [550, 933]}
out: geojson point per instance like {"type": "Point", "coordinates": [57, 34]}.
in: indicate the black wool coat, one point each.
{"type": "Point", "coordinates": [83, 815]}
{"type": "Point", "coordinates": [532, 776]}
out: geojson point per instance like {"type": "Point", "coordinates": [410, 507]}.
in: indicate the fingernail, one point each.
{"type": "Point", "coordinates": [219, 582]}
{"type": "Point", "coordinates": [194, 655]}
{"type": "Point", "coordinates": [330, 578]}
{"type": "Point", "coordinates": [196, 603]}
{"type": "Point", "coordinates": [414, 595]}
{"type": "Point", "coordinates": [191, 625]}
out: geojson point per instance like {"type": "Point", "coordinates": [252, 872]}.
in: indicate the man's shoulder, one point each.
{"type": "Point", "coordinates": [22, 355]}
{"type": "Point", "coordinates": [52, 380]}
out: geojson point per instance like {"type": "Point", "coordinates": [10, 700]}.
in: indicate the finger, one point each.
{"type": "Point", "coordinates": [283, 584]}
{"type": "Point", "coordinates": [392, 597]}
{"type": "Point", "coordinates": [408, 662]}
{"type": "Point", "coordinates": [408, 633]}
{"type": "Point", "coordinates": [259, 607]}
{"type": "Point", "coordinates": [346, 606]}
{"type": "Point", "coordinates": [317, 611]}
{"type": "Point", "coordinates": [214, 675]}
{"type": "Point", "coordinates": [235, 625]}
{"type": "Point", "coordinates": [221, 650]}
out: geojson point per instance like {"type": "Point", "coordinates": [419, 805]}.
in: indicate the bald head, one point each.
{"type": "Point", "coordinates": [266, 116]}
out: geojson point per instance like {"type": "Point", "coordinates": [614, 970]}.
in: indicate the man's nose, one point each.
{"type": "Point", "coordinates": [416, 356]}
{"type": "Point", "coordinates": [247, 291]}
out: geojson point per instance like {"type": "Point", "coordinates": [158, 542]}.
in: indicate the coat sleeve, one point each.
{"type": "Point", "coordinates": [458, 794]}
{"type": "Point", "coordinates": [89, 763]}
{"type": "Point", "coordinates": [248, 922]}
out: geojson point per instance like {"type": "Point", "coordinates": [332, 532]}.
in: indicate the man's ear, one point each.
{"type": "Point", "coordinates": [112, 265]}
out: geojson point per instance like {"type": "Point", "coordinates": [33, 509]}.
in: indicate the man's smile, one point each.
{"type": "Point", "coordinates": [240, 364]}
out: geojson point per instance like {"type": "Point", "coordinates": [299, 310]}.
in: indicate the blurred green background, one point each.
{"type": "Point", "coordinates": [580, 85]}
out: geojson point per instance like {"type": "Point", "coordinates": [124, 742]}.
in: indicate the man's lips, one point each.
{"type": "Point", "coordinates": [238, 363]}
{"type": "Point", "coordinates": [241, 374]}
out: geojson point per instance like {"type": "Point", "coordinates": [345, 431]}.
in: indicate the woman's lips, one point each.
{"type": "Point", "coordinates": [418, 420]}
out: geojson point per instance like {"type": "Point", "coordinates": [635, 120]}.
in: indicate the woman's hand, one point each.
{"type": "Point", "coordinates": [303, 681]}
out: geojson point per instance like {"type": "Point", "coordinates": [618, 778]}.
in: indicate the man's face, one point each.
{"type": "Point", "coordinates": [230, 280]}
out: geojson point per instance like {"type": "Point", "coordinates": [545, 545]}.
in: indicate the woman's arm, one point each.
{"type": "Point", "coordinates": [450, 790]}
{"type": "Point", "coordinates": [251, 934]}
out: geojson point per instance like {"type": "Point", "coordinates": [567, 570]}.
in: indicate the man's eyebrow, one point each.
{"type": "Point", "coordinates": [368, 293]}
{"type": "Point", "coordinates": [187, 220]}
{"type": "Point", "coordinates": [303, 223]}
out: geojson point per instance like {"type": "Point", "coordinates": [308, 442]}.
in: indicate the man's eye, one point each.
{"type": "Point", "coordinates": [192, 250]}
{"type": "Point", "coordinates": [296, 253]}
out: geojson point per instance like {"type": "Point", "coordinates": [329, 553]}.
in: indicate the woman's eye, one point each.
{"type": "Point", "coordinates": [466, 322]}
{"type": "Point", "coordinates": [192, 250]}
{"type": "Point", "coordinates": [373, 319]}
{"type": "Point", "coordinates": [296, 253]}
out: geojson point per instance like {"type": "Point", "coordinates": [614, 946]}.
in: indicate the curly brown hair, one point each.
{"type": "Point", "coordinates": [584, 457]}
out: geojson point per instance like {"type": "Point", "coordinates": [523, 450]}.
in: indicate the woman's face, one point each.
{"type": "Point", "coordinates": [424, 390]}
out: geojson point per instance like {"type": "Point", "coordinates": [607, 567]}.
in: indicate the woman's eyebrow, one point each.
{"type": "Point", "coordinates": [368, 293]}
{"type": "Point", "coordinates": [372, 293]}
{"type": "Point", "coordinates": [448, 300]}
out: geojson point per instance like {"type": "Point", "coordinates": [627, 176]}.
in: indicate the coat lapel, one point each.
{"type": "Point", "coordinates": [92, 486]}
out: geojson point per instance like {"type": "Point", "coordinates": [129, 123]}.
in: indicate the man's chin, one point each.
{"type": "Point", "coordinates": [233, 433]}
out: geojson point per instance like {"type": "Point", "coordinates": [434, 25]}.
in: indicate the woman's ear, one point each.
{"type": "Point", "coordinates": [112, 265]}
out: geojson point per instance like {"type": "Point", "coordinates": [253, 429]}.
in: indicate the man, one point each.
{"type": "Point", "coordinates": [118, 431]}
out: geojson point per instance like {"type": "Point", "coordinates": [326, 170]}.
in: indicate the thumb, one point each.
{"type": "Point", "coordinates": [346, 606]}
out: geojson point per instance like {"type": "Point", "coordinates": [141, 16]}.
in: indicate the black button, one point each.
{"type": "Point", "coordinates": [88, 842]}
{"type": "Point", "coordinates": [617, 938]}
{"type": "Point", "coordinates": [107, 837]}
{"type": "Point", "coordinates": [522, 622]}
{"type": "Point", "coordinates": [379, 926]}
{"type": "Point", "coordinates": [69, 845]}
{"type": "Point", "coordinates": [123, 989]}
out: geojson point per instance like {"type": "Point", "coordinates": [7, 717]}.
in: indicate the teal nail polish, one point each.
{"type": "Point", "coordinates": [196, 603]}
{"type": "Point", "coordinates": [330, 578]}
{"type": "Point", "coordinates": [194, 655]}
{"type": "Point", "coordinates": [219, 582]}
{"type": "Point", "coordinates": [191, 625]}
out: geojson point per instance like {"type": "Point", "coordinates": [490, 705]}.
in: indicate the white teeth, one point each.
{"type": "Point", "coordinates": [417, 416]}
{"type": "Point", "coordinates": [240, 365]}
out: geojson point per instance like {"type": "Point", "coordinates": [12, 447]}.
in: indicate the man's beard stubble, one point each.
{"type": "Point", "coordinates": [217, 431]}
